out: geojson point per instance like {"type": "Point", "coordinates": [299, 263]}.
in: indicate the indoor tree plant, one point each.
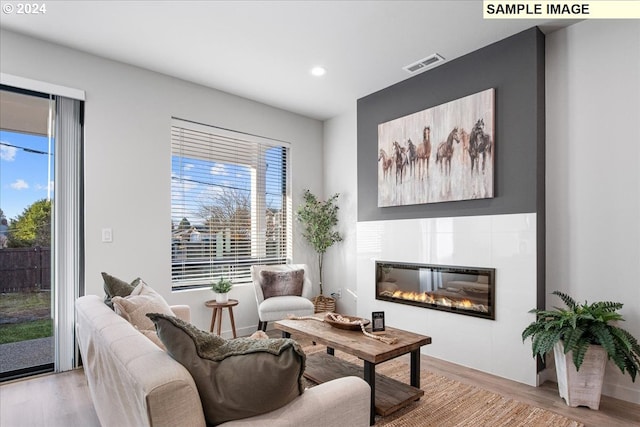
{"type": "Point", "coordinates": [318, 219]}
{"type": "Point", "coordinates": [222, 288]}
{"type": "Point", "coordinates": [581, 336]}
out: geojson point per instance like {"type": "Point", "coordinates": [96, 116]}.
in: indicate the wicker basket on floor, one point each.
{"type": "Point", "coordinates": [322, 303]}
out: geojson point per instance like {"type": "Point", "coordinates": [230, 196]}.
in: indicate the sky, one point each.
{"type": "Point", "coordinates": [202, 180]}
{"type": "Point", "coordinates": [23, 174]}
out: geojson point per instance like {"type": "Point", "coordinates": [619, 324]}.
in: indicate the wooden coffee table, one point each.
{"type": "Point", "coordinates": [387, 395]}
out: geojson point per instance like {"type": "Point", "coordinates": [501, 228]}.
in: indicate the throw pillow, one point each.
{"type": "Point", "coordinates": [114, 287]}
{"type": "Point", "coordinates": [142, 300]}
{"type": "Point", "coordinates": [235, 378]}
{"type": "Point", "coordinates": [281, 283]}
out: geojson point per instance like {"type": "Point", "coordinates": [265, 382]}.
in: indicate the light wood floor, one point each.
{"type": "Point", "coordinates": [63, 399]}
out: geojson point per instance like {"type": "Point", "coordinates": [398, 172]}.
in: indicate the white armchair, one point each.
{"type": "Point", "coordinates": [278, 307]}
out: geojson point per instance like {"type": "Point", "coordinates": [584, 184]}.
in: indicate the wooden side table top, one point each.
{"type": "Point", "coordinates": [354, 342]}
{"type": "Point", "coordinates": [215, 304]}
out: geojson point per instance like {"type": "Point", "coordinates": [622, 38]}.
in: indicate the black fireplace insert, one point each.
{"type": "Point", "coordinates": [457, 289]}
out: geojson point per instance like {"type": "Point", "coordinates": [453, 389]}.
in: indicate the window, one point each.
{"type": "Point", "coordinates": [230, 204]}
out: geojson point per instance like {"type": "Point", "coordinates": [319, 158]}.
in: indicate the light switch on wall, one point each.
{"type": "Point", "coordinates": [107, 235]}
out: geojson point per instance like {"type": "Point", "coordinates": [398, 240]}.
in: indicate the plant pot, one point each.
{"type": "Point", "coordinates": [222, 297]}
{"type": "Point", "coordinates": [583, 387]}
{"type": "Point", "coordinates": [322, 303]}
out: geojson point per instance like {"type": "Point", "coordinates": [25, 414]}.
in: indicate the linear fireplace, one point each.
{"type": "Point", "coordinates": [463, 290]}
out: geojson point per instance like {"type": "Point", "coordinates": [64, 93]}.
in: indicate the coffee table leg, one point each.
{"type": "Point", "coordinates": [370, 378]}
{"type": "Point", "coordinates": [286, 334]}
{"type": "Point", "coordinates": [330, 351]}
{"type": "Point", "coordinates": [415, 368]}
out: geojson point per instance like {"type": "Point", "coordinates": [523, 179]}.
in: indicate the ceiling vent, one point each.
{"type": "Point", "coordinates": [424, 64]}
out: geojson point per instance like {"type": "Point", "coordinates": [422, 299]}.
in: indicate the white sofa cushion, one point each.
{"type": "Point", "coordinates": [134, 308]}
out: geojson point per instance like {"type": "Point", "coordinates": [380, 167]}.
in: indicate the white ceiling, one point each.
{"type": "Point", "coordinates": [263, 50]}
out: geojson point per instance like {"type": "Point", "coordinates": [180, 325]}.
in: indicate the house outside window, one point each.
{"type": "Point", "coordinates": [230, 204]}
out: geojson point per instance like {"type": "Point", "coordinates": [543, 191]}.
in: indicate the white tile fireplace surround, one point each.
{"type": "Point", "coordinates": [504, 242]}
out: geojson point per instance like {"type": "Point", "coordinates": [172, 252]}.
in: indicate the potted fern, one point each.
{"type": "Point", "coordinates": [318, 219]}
{"type": "Point", "coordinates": [583, 337]}
{"type": "Point", "coordinates": [222, 288]}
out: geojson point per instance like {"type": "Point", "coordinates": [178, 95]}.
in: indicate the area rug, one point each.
{"type": "Point", "coordinates": [449, 403]}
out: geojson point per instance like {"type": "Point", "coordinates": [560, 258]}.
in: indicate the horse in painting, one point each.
{"type": "Point", "coordinates": [445, 151]}
{"type": "Point", "coordinates": [401, 160]}
{"type": "Point", "coordinates": [464, 140]}
{"type": "Point", "coordinates": [424, 152]}
{"type": "Point", "coordinates": [479, 145]}
{"type": "Point", "coordinates": [412, 156]}
{"type": "Point", "coordinates": [386, 162]}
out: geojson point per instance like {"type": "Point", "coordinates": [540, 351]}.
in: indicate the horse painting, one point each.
{"type": "Point", "coordinates": [445, 151]}
{"type": "Point", "coordinates": [420, 149]}
{"type": "Point", "coordinates": [386, 162]}
{"type": "Point", "coordinates": [424, 152]}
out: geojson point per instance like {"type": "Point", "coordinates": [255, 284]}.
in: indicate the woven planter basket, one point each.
{"type": "Point", "coordinates": [322, 303]}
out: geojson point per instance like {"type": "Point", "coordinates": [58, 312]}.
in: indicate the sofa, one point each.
{"type": "Point", "coordinates": [135, 383]}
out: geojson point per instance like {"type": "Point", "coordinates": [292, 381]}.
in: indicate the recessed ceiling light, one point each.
{"type": "Point", "coordinates": [318, 71]}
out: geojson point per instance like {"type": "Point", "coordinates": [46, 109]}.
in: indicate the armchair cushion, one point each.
{"type": "Point", "coordinates": [281, 283]}
{"type": "Point", "coordinates": [236, 378]}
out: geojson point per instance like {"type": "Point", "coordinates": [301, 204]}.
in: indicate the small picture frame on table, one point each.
{"type": "Point", "coordinates": [377, 321]}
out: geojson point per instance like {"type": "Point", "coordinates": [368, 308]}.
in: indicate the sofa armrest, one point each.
{"type": "Point", "coordinates": [182, 312]}
{"type": "Point", "coordinates": [341, 402]}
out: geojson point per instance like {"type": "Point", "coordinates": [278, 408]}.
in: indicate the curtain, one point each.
{"type": "Point", "coordinates": [68, 226]}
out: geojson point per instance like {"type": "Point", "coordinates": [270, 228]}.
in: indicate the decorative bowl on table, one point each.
{"type": "Point", "coordinates": [341, 321]}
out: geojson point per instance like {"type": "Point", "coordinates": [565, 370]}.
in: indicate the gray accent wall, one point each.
{"type": "Point", "coordinates": [515, 68]}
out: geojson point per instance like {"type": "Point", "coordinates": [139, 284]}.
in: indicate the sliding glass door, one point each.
{"type": "Point", "coordinates": [41, 225]}
{"type": "Point", "coordinates": [26, 198]}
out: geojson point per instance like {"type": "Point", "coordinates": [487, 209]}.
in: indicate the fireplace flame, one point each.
{"type": "Point", "coordinates": [426, 297]}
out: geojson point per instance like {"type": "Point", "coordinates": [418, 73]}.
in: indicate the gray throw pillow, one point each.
{"type": "Point", "coordinates": [281, 283]}
{"type": "Point", "coordinates": [236, 378]}
{"type": "Point", "coordinates": [114, 287]}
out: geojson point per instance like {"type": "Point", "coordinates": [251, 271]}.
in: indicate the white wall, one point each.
{"type": "Point", "coordinates": [128, 161]}
{"type": "Point", "coordinates": [340, 153]}
{"type": "Point", "coordinates": [593, 172]}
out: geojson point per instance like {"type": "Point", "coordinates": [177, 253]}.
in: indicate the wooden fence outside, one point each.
{"type": "Point", "coordinates": [25, 269]}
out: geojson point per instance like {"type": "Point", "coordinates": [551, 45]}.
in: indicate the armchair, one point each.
{"type": "Point", "coordinates": [278, 307]}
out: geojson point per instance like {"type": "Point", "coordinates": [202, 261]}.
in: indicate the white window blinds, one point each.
{"type": "Point", "coordinates": [230, 204]}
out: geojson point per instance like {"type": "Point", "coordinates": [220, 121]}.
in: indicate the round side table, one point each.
{"type": "Point", "coordinates": [218, 307]}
